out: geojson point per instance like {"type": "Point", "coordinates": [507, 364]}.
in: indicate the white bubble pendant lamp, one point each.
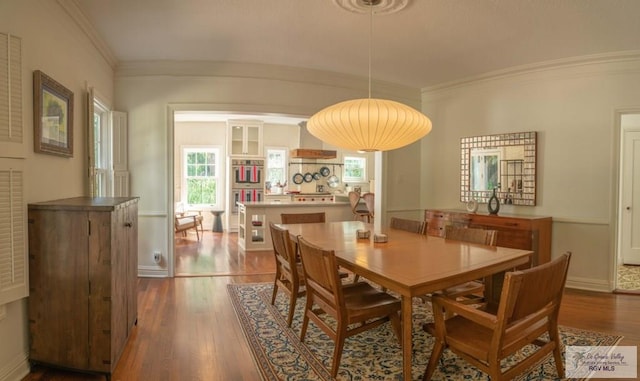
{"type": "Point", "coordinates": [369, 124]}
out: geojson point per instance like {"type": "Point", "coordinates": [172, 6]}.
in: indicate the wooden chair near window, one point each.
{"type": "Point", "coordinates": [356, 307]}
{"type": "Point", "coordinates": [529, 307]}
{"type": "Point", "coordinates": [183, 221]}
{"type": "Point", "coordinates": [359, 213]}
{"type": "Point", "coordinates": [412, 226]}
{"type": "Point", "coordinates": [302, 218]}
{"type": "Point", "coordinates": [289, 275]}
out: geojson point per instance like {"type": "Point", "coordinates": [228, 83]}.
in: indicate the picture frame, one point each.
{"type": "Point", "coordinates": [52, 116]}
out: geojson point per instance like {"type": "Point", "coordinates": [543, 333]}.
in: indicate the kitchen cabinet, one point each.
{"type": "Point", "coordinates": [244, 138]}
{"type": "Point", "coordinates": [254, 218]}
{"type": "Point", "coordinates": [83, 265]}
{"type": "Point", "coordinates": [518, 232]}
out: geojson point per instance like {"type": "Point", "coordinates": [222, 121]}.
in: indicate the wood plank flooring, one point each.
{"type": "Point", "coordinates": [187, 329]}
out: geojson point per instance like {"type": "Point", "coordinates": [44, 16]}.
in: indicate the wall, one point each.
{"type": "Point", "coordinates": [573, 108]}
{"type": "Point", "coordinates": [151, 91]}
{"type": "Point", "coordinates": [52, 43]}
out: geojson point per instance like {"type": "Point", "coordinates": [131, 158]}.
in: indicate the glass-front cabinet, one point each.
{"type": "Point", "coordinates": [245, 137]}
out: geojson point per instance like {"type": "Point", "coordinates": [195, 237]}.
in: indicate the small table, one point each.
{"type": "Point", "coordinates": [217, 221]}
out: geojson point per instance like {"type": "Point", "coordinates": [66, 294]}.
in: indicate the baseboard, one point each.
{"type": "Point", "coordinates": [16, 369]}
{"type": "Point", "coordinates": [152, 272]}
{"type": "Point", "coordinates": [588, 284]}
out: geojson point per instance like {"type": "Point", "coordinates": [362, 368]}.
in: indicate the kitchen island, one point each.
{"type": "Point", "coordinates": [254, 218]}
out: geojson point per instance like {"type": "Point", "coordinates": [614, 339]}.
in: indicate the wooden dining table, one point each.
{"type": "Point", "coordinates": [409, 264]}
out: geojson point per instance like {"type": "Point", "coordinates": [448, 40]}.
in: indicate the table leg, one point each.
{"type": "Point", "coordinates": [407, 343]}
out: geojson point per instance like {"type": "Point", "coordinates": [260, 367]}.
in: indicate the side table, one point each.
{"type": "Point", "coordinates": [217, 221]}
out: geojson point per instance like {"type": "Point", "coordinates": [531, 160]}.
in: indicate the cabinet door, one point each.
{"type": "Point", "coordinates": [253, 142]}
{"type": "Point", "coordinates": [245, 138]}
{"type": "Point", "coordinates": [131, 225]}
{"type": "Point", "coordinates": [59, 300]}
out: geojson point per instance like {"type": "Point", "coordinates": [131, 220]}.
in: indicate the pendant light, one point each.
{"type": "Point", "coordinates": [369, 124]}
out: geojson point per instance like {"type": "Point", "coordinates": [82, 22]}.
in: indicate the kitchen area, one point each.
{"type": "Point", "coordinates": [313, 186]}
{"type": "Point", "coordinates": [250, 193]}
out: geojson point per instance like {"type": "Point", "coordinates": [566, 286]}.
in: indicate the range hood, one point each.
{"type": "Point", "coordinates": [312, 146]}
{"type": "Point", "coordinates": [312, 153]}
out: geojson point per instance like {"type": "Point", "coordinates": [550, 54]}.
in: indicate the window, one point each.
{"type": "Point", "coordinates": [201, 171]}
{"type": "Point", "coordinates": [100, 149]}
{"type": "Point", "coordinates": [276, 165]}
{"type": "Point", "coordinates": [355, 169]}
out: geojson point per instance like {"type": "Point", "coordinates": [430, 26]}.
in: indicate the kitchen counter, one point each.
{"type": "Point", "coordinates": [291, 204]}
{"type": "Point", "coordinates": [254, 218]}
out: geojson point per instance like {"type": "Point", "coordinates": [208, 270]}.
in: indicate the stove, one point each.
{"type": "Point", "coordinates": [313, 197]}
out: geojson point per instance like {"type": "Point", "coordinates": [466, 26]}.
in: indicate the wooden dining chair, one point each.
{"type": "Point", "coordinates": [412, 226]}
{"type": "Point", "coordinates": [289, 275]}
{"type": "Point", "coordinates": [355, 307]}
{"type": "Point", "coordinates": [528, 308]}
{"type": "Point", "coordinates": [302, 218]}
{"type": "Point", "coordinates": [469, 292]}
{"type": "Point", "coordinates": [359, 213]}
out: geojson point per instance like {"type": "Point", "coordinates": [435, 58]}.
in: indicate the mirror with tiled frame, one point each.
{"type": "Point", "coordinates": [506, 162]}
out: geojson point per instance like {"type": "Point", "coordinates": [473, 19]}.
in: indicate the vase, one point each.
{"type": "Point", "coordinates": [494, 203]}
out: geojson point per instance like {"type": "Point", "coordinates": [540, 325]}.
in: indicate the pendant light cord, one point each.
{"type": "Point", "coordinates": [370, 43]}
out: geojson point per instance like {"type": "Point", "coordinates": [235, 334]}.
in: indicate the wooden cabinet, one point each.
{"type": "Point", "coordinates": [83, 265]}
{"type": "Point", "coordinates": [245, 138]}
{"type": "Point", "coordinates": [519, 232]}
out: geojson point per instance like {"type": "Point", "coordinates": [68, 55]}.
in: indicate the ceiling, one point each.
{"type": "Point", "coordinates": [429, 42]}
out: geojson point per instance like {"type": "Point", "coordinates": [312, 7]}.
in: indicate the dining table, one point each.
{"type": "Point", "coordinates": [410, 264]}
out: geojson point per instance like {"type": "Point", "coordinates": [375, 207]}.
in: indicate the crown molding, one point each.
{"type": "Point", "coordinates": [614, 57]}
{"type": "Point", "coordinates": [73, 10]}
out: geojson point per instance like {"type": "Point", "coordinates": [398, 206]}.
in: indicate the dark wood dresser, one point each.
{"type": "Point", "coordinates": [518, 232]}
{"type": "Point", "coordinates": [83, 269]}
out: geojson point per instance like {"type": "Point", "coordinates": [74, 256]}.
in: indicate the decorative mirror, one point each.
{"type": "Point", "coordinates": [504, 162]}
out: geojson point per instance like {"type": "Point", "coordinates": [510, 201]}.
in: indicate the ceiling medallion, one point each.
{"type": "Point", "coordinates": [381, 7]}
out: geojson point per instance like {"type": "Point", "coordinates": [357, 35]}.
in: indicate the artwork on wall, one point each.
{"type": "Point", "coordinates": [52, 116]}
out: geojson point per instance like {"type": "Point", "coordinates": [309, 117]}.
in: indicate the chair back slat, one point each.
{"type": "Point", "coordinates": [283, 248]}
{"type": "Point", "coordinates": [302, 218]}
{"type": "Point", "coordinates": [321, 272]}
{"type": "Point", "coordinates": [412, 226]}
{"type": "Point", "coordinates": [471, 235]}
{"type": "Point", "coordinates": [540, 286]}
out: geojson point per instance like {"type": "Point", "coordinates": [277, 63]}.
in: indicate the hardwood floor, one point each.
{"type": "Point", "coordinates": [187, 329]}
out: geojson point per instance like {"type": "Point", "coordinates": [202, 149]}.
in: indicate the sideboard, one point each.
{"type": "Point", "coordinates": [518, 232]}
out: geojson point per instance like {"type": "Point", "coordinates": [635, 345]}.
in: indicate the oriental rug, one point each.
{"type": "Point", "coordinates": [371, 355]}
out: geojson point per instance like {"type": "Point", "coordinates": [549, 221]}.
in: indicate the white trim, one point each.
{"type": "Point", "coordinates": [16, 368]}
{"type": "Point", "coordinates": [152, 272]}
{"type": "Point", "coordinates": [589, 284]}
{"type": "Point", "coordinates": [75, 13]}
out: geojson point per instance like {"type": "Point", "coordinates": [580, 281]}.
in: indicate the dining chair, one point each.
{"type": "Point", "coordinates": [289, 275]}
{"type": "Point", "coordinates": [369, 202]}
{"type": "Point", "coordinates": [355, 307]}
{"type": "Point", "coordinates": [302, 218]}
{"type": "Point", "coordinates": [528, 308]}
{"type": "Point", "coordinates": [359, 213]}
{"type": "Point", "coordinates": [412, 226]}
{"type": "Point", "coordinates": [469, 292]}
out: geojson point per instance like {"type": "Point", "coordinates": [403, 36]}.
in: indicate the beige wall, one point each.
{"type": "Point", "coordinates": [573, 109]}
{"type": "Point", "coordinates": [151, 92]}
{"type": "Point", "coordinates": [52, 43]}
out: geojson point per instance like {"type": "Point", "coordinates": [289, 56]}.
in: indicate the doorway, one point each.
{"type": "Point", "coordinates": [628, 253]}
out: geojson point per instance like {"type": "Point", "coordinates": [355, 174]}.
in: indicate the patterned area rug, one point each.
{"type": "Point", "coordinates": [371, 355]}
{"type": "Point", "coordinates": [629, 277]}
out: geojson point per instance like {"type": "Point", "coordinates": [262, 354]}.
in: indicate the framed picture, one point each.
{"type": "Point", "coordinates": [52, 116]}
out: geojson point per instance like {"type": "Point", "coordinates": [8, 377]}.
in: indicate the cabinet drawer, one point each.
{"type": "Point", "coordinates": [501, 222]}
